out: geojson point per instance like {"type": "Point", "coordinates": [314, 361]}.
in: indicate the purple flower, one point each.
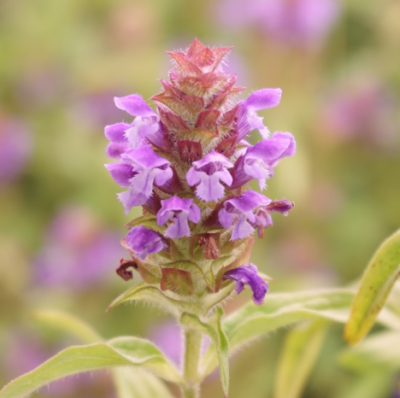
{"type": "Point", "coordinates": [95, 110]}
{"type": "Point", "coordinates": [179, 211]}
{"type": "Point", "coordinates": [22, 352]}
{"type": "Point", "coordinates": [15, 149]}
{"type": "Point", "coordinates": [208, 174]}
{"type": "Point", "coordinates": [239, 211]}
{"type": "Point", "coordinates": [247, 116]}
{"type": "Point", "coordinates": [263, 218]}
{"type": "Point", "coordinates": [235, 14]}
{"type": "Point", "coordinates": [302, 23]}
{"type": "Point", "coordinates": [125, 136]}
{"type": "Point", "coordinates": [258, 161]}
{"type": "Point", "coordinates": [78, 251]}
{"type": "Point", "coordinates": [144, 241]}
{"type": "Point", "coordinates": [139, 170]}
{"type": "Point", "coordinates": [119, 142]}
{"type": "Point", "coordinates": [363, 110]}
{"type": "Point", "coordinates": [168, 336]}
{"type": "Point", "coordinates": [247, 274]}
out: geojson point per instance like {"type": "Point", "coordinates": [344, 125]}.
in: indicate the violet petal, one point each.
{"type": "Point", "coordinates": [208, 174]}
{"type": "Point", "coordinates": [134, 104]}
{"type": "Point", "coordinates": [178, 211]}
{"type": "Point", "coordinates": [120, 172]}
{"type": "Point", "coordinates": [116, 132]}
{"type": "Point", "coordinates": [247, 274]}
{"type": "Point", "coordinates": [144, 241]}
{"type": "Point", "coordinates": [247, 116]}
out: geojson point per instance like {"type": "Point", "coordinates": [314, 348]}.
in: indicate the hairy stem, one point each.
{"type": "Point", "coordinates": [191, 364]}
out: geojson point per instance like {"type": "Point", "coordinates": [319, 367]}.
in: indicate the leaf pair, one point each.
{"type": "Point", "coordinates": [176, 307]}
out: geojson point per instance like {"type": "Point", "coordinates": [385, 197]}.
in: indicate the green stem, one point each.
{"type": "Point", "coordinates": [191, 364]}
{"type": "Point", "coordinates": [190, 392]}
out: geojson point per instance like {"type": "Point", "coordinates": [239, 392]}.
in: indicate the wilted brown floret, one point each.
{"type": "Point", "coordinates": [123, 271]}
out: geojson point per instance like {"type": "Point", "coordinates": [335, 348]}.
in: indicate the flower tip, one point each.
{"type": "Point", "coordinates": [118, 103]}
{"type": "Point", "coordinates": [276, 95]}
{"type": "Point", "coordinates": [258, 302]}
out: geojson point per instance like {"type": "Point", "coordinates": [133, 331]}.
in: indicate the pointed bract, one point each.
{"type": "Point", "coordinates": [207, 120]}
{"type": "Point", "coordinates": [194, 48]}
{"type": "Point", "coordinates": [185, 64]}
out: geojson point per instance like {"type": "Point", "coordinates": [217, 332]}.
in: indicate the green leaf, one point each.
{"type": "Point", "coordinates": [282, 309]}
{"type": "Point", "coordinates": [143, 352]}
{"type": "Point", "coordinates": [394, 299]}
{"type": "Point", "coordinates": [121, 351]}
{"type": "Point", "coordinates": [219, 340]}
{"type": "Point", "coordinates": [130, 382]}
{"type": "Point", "coordinates": [68, 323]}
{"type": "Point", "coordinates": [300, 351]}
{"type": "Point", "coordinates": [279, 310]}
{"type": "Point", "coordinates": [143, 292]}
{"type": "Point", "coordinates": [376, 284]}
{"type": "Point", "coordinates": [172, 302]}
{"type": "Point", "coordinates": [137, 383]}
{"type": "Point", "coordinates": [380, 351]}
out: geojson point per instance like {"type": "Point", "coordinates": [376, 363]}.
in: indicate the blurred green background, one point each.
{"type": "Point", "coordinates": [62, 62]}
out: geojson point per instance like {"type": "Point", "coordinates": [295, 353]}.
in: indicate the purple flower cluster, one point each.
{"type": "Point", "coordinates": [363, 110]}
{"type": "Point", "coordinates": [77, 250]}
{"type": "Point", "coordinates": [303, 23]}
{"type": "Point", "coordinates": [188, 164]}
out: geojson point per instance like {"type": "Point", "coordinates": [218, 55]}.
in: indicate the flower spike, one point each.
{"type": "Point", "coordinates": [187, 164]}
